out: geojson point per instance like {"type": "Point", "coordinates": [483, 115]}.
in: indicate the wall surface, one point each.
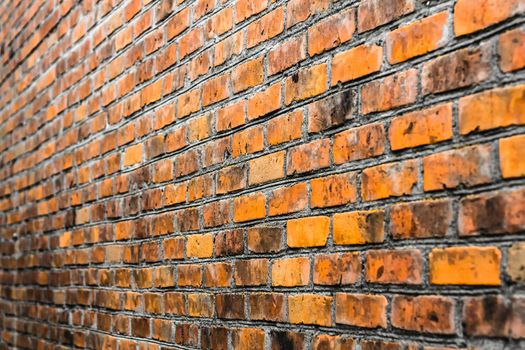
{"type": "Point", "coordinates": [262, 174]}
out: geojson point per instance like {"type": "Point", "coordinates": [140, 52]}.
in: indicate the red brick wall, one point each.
{"type": "Point", "coordinates": [262, 174]}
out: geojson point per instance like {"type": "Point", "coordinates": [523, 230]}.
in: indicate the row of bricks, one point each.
{"type": "Point", "coordinates": [456, 265]}
{"type": "Point", "coordinates": [489, 316]}
{"type": "Point", "coordinates": [251, 72]}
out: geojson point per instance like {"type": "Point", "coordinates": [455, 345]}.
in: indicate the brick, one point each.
{"type": "Point", "coordinates": [359, 143]}
{"type": "Point", "coordinates": [281, 340]}
{"type": "Point", "coordinates": [427, 314]}
{"type": "Point", "coordinates": [249, 207]}
{"type": "Point", "coordinates": [423, 127]}
{"type": "Point", "coordinates": [229, 47]}
{"type": "Point", "coordinates": [219, 23]}
{"type": "Point", "coordinates": [190, 42]}
{"type": "Point", "coordinates": [200, 65]}
{"type": "Point", "coordinates": [286, 54]}
{"type": "Point", "coordinates": [231, 178]}
{"type": "Point", "coordinates": [246, 8]}
{"type": "Point", "coordinates": [267, 307]}
{"type": "Point", "coordinates": [391, 92]}
{"type": "Point", "coordinates": [216, 213]}
{"type": "Point", "coordinates": [361, 310]}
{"type": "Point", "coordinates": [248, 339]}
{"type": "Point", "coordinates": [310, 309]}
{"type": "Point", "coordinates": [403, 266]}
{"type": "Point", "coordinates": [266, 168]}
{"type": "Point", "coordinates": [516, 262]}
{"type": "Point", "coordinates": [305, 83]}
{"type": "Point", "coordinates": [389, 180]}
{"type": "Point", "coordinates": [248, 141]}
{"type": "Point", "coordinates": [468, 166]}
{"type": "Point", "coordinates": [264, 239]}
{"type": "Point", "coordinates": [218, 275]}
{"type": "Point", "coordinates": [229, 243]}
{"type": "Point", "coordinates": [215, 90]}
{"type": "Point", "coordinates": [178, 23]}
{"type": "Point", "coordinates": [510, 160]}
{"type": "Point", "coordinates": [188, 103]}
{"type": "Point", "coordinates": [290, 272]}
{"type": "Point", "coordinates": [253, 272]}
{"type": "Point", "coordinates": [311, 156]}
{"type": "Point", "coordinates": [356, 63]}
{"type": "Point", "coordinates": [359, 227]}
{"type": "Point", "coordinates": [422, 219]}
{"type": "Point", "coordinates": [300, 10]}
{"type": "Point", "coordinates": [337, 269]}
{"type": "Point", "coordinates": [374, 13]}
{"type": "Point", "coordinates": [511, 50]}
{"type": "Point", "coordinates": [331, 32]}
{"type": "Point", "coordinates": [333, 190]}
{"type": "Point", "coordinates": [231, 116]}
{"type": "Point", "coordinates": [265, 28]}
{"type": "Point", "coordinates": [203, 7]}
{"type": "Point", "coordinates": [456, 70]}
{"type": "Point", "coordinates": [417, 38]}
{"type": "Point", "coordinates": [308, 232]}
{"type": "Point", "coordinates": [488, 316]}
{"type": "Point", "coordinates": [288, 199]}
{"type": "Point", "coordinates": [189, 275]}
{"type": "Point", "coordinates": [133, 155]}
{"type": "Point", "coordinates": [329, 342]}
{"type": "Point", "coordinates": [248, 75]}
{"type": "Point", "coordinates": [230, 306]}
{"type": "Point", "coordinates": [465, 266]}
{"type": "Point", "coordinates": [331, 111]}
{"type": "Point", "coordinates": [200, 305]}
{"type": "Point", "coordinates": [264, 102]}
{"type": "Point", "coordinates": [492, 109]}
{"type": "Point", "coordinates": [199, 246]}
{"type": "Point", "coordinates": [285, 128]}
{"type": "Point", "coordinates": [471, 16]}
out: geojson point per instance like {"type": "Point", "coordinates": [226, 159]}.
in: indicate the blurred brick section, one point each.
{"type": "Point", "coordinates": [262, 174]}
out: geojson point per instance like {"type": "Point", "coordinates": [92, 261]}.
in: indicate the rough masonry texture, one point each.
{"type": "Point", "coordinates": [262, 174]}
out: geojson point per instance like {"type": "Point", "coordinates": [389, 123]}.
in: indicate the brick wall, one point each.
{"type": "Point", "coordinates": [262, 174]}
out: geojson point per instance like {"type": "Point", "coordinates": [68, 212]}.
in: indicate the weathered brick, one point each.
{"type": "Point", "coordinates": [267, 307]}
{"type": "Point", "coordinates": [269, 26]}
{"type": "Point", "coordinates": [333, 190]}
{"type": "Point", "coordinates": [306, 83]}
{"type": "Point", "coordinates": [359, 143]}
{"type": "Point", "coordinates": [335, 269]}
{"type": "Point", "coordinates": [331, 32]}
{"type": "Point", "coordinates": [312, 156]}
{"type": "Point", "coordinates": [359, 227]}
{"type": "Point", "coordinates": [389, 180]}
{"type": "Point", "coordinates": [288, 199]}
{"type": "Point", "coordinates": [394, 266]}
{"type": "Point", "coordinates": [310, 309]}
{"type": "Point", "coordinates": [264, 102]}
{"type": "Point", "coordinates": [423, 219]}
{"type": "Point", "coordinates": [266, 168]}
{"type": "Point", "coordinates": [471, 15]}
{"type": "Point", "coordinates": [361, 310]}
{"type": "Point", "coordinates": [249, 207]}
{"type": "Point", "coordinates": [511, 162]}
{"type": "Point", "coordinates": [331, 111]}
{"type": "Point", "coordinates": [356, 63]}
{"type": "Point", "coordinates": [511, 50]}
{"type": "Point", "coordinates": [290, 272]}
{"type": "Point", "coordinates": [465, 265]}
{"type": "Point", "coordinates": [308, 232]}
{"type": "Point", "coordinates": [428, 314]}
{"type": "Point", "coordinates": [285, 128]}
{"type": "Point", "coordinates": [253, 272]}
{"type": "Point", "coordinates": [286, 54]}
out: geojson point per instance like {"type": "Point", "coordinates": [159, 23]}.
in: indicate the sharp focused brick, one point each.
{"type": "Point", "coordinates": [333, 190]}
{"type": "Point", "coordinates": [394, 266]}
{"type": "Point", "coordinates": [360, 227]}
{"type": "Point", "coordinates": [265, 28]}
{"type": "Point", "coordinates": [335, 269]}
{"type": "Point", "coordinates": [305, 83]}
{"type": "Point", "coordinates": [307, 232]}
{"type": "Point", "coordinates": [312, 156]}
{"type": "Point", "coordinates": [266, 168]}
{"type": "Point", "coordinates": [389, 180]}
{"type": "Point", "coordinates": [356, 63]}
{"type": "Point", "coordinates": [423, 219]}
{"type": "Point", "coordinates": [288, 200]}
{"type": "Point", "coordinates": [359, 143]}
{"type": "Point", "coordinates": [427, 314]}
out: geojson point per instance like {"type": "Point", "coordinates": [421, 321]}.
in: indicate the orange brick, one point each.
{"type": "Point", "coordinates": [246, 8]}
{"type": "Point", "coordinates": [423, 127]}
{"type": "Point", "coordinates": [306, 83]}
{"type": "Point", "coordinates": [190, 42]}
{"type": "Point", "coordinates": [247, 141]}
{"type": "Point", "coordinates": [229, 47]}
{"type": "Point", "coordinates": [331, 111]}
{"type": "Point", "coordinates": [133, 155]}
{"type": "Point", "coordinates": [429, 314]}
{"type": "Point", "coordinates": [231, 116]}
{"type": "Point", "coordinates": [266, 168]}
{"type": "Point", "coordinates": [219, 23]}
{"type": "Point", "coordinates": [248, 339]}
{"type": "Point", "coordinates": [465, 265]}
{"type": "Point", "coordinates": [331, 32]}
{"type": "Point", "coordinates": [391, 92]}
{"type": "Point", "coordinates": [308, 232]}
{"type": "Point", "coordinates": [288, 200]}
{"type": "Point", "coordinates": [265, 28]}
{"type": "Point", "coordinates": [511, 49]}
{"type": "Point", "coordinates": [286, 54]}
{"type": "Point", "coordinates": [264, 102]}
{"type": "Point", "coordinates": [417, 38]}
{"type": "Point", "coordinates": [359, 143]}
{"type": "Point", "coordinates": [163, 170]}
{"type": "Point", "coordinates": [403, 266]}
{"type": "Point", "coordinates": [300, 10]}
{"type": "Point", "coordinates": [372, 13]}
{"type": "Point", "coordinates": [200, 305]}
{"type": "Point", "coordinates": [335, 269]}
{"type": "Point", "coordinates": [310, 309]}
{"type": "Point", "coordinates": [359, 227]}
{"type": "Point", "coordinates": [252, 272]}
{"type": "Point", "coordinates": [389, 180]}
{"type": "Point", "coordinates": [178, 23]}
{"type": "Point", "coordinates": [422, 219]}
{"type": "Point", "coordinates": [199, 246]}
{"type": "Point", "coordinates": [473, 15]}
{"type": "Point", "coordinates": [231, 179]}
{"type": "Point", "coordinates": [249, 207]}
{"type": "Point", "coordinates": [311, 156]}
{"type": "Point", "coordinates": [361, 310]}
{"type": "Point", "coordinates": [285, 128]}
{"type": "Point", "coordinates": [290, 272]}
{"type": "Point", "coordinates": [218, 274]}
{"type": "Point", "coordinates": [248, 75]}
{"type": "Point", "coordinates": [215, 90]}
{"type": "Point", "coordinates": [333, 190]}
{"type": "Point", "coordinates": [356, 63]}
{"type": "Point", "coordinates": [200, 65]}
{"type": "Point", "coordinates": [512, 162]}
{"type": "Point", "coordinates": [492, 109]}
{"type": "Point", "coordinates": [468, 166]}
{"type": "Point", "coordinates": [188, 103]}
